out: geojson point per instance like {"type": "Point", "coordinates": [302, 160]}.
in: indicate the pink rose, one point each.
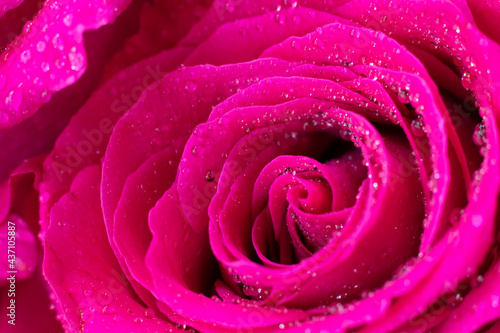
{"type": "Point", "coordinates": [244, 166]}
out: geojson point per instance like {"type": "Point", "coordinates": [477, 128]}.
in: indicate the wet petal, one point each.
{"type": "Point", "coordinates": [89, 284]}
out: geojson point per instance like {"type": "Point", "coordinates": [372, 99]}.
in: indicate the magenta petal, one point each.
{"type": "Point", "coordinates": [245, 39]}
{"type": "Point", "coordinates": [176, 255]}
{"type": "Point", "coordinates": [141, 191]}
{"type": "Point", "coordinates": [49, 59]}
{"type": "Point", "coordinates": [85, 139]}
{"type": "Point", "coordinates": [82, 269]}
{"type": "Point", "coordinates": [137, 136]}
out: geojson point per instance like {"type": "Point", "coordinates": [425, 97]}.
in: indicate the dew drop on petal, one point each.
{"type": "Point", "coordinates": [494, 300]}
{"type": "Point", "coordinates": [479, 136]}
{"type": "Point", "coordinates": [148, 313]}
{"type": "Point", "coordinates": [39, 82]}
{"type": "Point", "coordinates": [194, 150]}
{"type": "Point", "coordinates": [477, 221]}
{"type": "Point", "coordinates": [109, 309]}
{"type": "Point", "coordinates": [467, 80]}
{"type": "Point", "coordinates": [76, 61]}
{"type": "Point", "coordinates": [404, 96]}
{"type": "Point", "coordinates": [44, 197]}
{"type": "Point", "coordinates": [41, 46]}
{"type": "Point", "coordinates": [25, 56]}
{"type": "Point", "coordinates": [14, 99]}
{"type": "Point", "coordinates": [191, 87]}
{"type": "Point", "coordinates": [417, 126]}
{"type": "Point", "coordinates": [68, 20]}
{"type": "Point", "coordinates": [58, 42]}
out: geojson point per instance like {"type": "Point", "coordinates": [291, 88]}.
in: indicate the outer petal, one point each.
{"type": "Point", "coordinates": [36, 135]}
{"type": "Point", "coordinates": [48, 55]}
{"type": "Point", "coordinates": [81, 267]}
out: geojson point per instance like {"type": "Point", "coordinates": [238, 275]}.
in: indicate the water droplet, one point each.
{"type": "Point", "coordinates": [58, 42]}
{"type": "Point", "coordinates": [87, 292]}
{"type": "Point", "coordinates": [404, 96]}
{"type": "Point", "coordinates": [494, 300]}
{"type": "Point", "coordinates": [479, 136]}
{"type": "Point", "coordinates": [417, 126]}
{"type": "Point", "coordinates": [138, 320]}
{"type": "Point", "coordinates": [25, 56]}
{"type": "Point", "coordinates": [467, 81]}
{"type": "Point", "coordinates": [44, 197]}
{"type": "Point", "coordinates": [194, 151]}
{"type": "Point", "coordinates": [41, 46]}
{"type": "Point", "coordinates": [319, 42]}
{"type": "Point", "coordinates": [117, 318]}
{"type": "Point", "coordinates": [76, 61]}
{"type": "Point", "coordinates": [14, 99]}
{"type": "Point", "coordinates": [191, 87]}
{"type": "Point", "coordinates": [60, 63]}
{"type": "Point", "coordinates": [39, 82]}
{"type": "Point", "coordinates": [432, 184]}
{"type": "Point", "coordinates": [108, 309]}
{"type": "Point", "coordinates": [68, 20]}
{"type": "Point", "coordinates": [149, 313]}
{"type": "Point", "coordinates": [477, 221]}
{"type": "Point", "coordinates": [45, 66]}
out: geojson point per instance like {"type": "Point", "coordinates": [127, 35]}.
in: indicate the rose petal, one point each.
{"type": "Point", "coordinates": [62, 51]}
{"type": "Point", "coordinates": [162, 25]}
{"type": "Point", "coordinates": [82, 269]}
{"type": "Point", "coordinates": [174, 276]}
{"type": "Point", "coordinates": [253, 35]}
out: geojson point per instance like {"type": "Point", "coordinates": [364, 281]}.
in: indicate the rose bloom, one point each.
{"type": "Point", "coordinates": [250, 166]}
